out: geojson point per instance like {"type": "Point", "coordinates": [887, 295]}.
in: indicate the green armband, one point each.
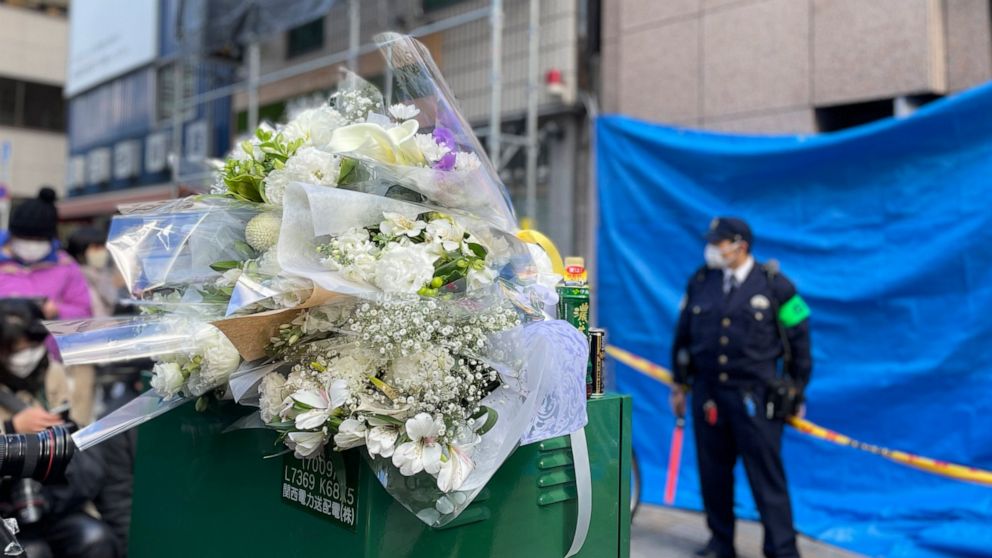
{"type": "Point", "coordinates": [793, 312]}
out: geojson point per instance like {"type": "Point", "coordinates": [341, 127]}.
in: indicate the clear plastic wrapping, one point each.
{"type": "Point", "coordinates": [356, 276]}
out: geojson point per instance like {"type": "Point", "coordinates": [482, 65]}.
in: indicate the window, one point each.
{"type": "Point", "coordinates": [28, 104]}
{"type": "Point", "coordinates": [43, 107]}
{"type": "Point", "coordinates": [166, 97]}
{"type": "Point", "coordinates": [305, 38]}
{"type": "Point", "coordinates": [840, 117]}
{"type": "Point", "coordinates": [431, 5]}
{"type": "Point", "coordinates": [8, 101]}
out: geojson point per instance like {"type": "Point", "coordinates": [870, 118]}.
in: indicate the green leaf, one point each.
{"type": "Point", "coordinates": [386, 419]}
{"type": "Point", "coordinates": [244, 249]}
{"type": "Point", "coordinates": [478, 249]}
{"type": "Point", "coordinates": [225, 265]}
{"type": "Point", "coordinates": [491, 417]}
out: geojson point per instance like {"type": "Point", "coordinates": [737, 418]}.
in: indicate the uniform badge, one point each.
{"type": "Point", "coordinates": [714, 224]}
{"type": "Point", "coordinates": [760, 302]}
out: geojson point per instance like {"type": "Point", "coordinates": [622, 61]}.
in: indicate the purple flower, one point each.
{"type": "Point", "coordinates": [445, 163]}
{"type": "Point", "coordinates": [445, 137]}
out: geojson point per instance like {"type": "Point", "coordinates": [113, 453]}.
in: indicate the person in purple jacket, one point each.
{"type": "Point", "coordinates": [33, 266]}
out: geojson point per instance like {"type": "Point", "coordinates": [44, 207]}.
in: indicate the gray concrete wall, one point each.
{"type": "Point", "coordinates": [763, 66]}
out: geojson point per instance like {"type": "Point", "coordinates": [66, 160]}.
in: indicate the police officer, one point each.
{"type": "Point", "coordinates": [739, 320]}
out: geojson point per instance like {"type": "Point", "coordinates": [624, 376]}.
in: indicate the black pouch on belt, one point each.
{"type": "Point", "coordinates": [782, 399]}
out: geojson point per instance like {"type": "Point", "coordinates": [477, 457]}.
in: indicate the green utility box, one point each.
{"type": "Point", "coordinates": [202, 493]}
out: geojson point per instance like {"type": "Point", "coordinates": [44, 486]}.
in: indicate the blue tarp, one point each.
{"type": "Point", "coordinates": [887, 232]}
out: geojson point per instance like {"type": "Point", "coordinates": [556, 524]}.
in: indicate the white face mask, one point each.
{"type": "Point", "coordinates": [24, 362]}
{"type": "Point", "coordinates": [715, 259]}
{"type": "Point", "coordinates": [97, 257]}
{"type": "Point", "coordinates": [30, 251]}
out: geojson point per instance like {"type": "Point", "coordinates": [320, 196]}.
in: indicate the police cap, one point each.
{"type": "Point", "coordinates": [728, 228]}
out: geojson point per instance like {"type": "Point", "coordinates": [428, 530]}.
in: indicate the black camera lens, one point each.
{"type": "Point", "coordinates": [43, 456]}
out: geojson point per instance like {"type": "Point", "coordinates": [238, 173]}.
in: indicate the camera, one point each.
{"type": "Point", "coordinates": [33, 460]}
{"type": "Point", "coordinates": [42, 456]}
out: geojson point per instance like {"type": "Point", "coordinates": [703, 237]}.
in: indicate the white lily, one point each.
{"type": "Point", "coordinates": [321, 402]}
{"type": "Point", "coordinates": [458, 464]}
{"type": "Point", "coordinates": [396, 145]}
{"type": "Point", "coordinates": [351, 434]}
{"type": "Point", "coordinates": [397, 224]}
{"type": "Point", "coordinates": [305, 444]}
{"type": "Point", "coordinates": [382, 438]}
{"type": "Point", "coordinates": [422, 452]}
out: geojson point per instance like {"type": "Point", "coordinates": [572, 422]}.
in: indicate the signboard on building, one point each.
{"type": "Point", "coordinates": [109, 38]}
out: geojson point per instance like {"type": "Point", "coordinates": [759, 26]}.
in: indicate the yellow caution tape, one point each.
{"type": "Point", "coordinates": [934, 466]}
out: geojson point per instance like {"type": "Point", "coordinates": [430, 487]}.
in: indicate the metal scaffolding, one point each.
{"type": "Point", "coordinates": [494, 13]}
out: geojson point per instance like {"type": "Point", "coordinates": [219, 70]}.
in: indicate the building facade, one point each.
{"type": "Point", "coordinates": [123, 127]}
{"type": "Point", "coordinates": [463, 54]}
{"type": "Point", "coordinates": [33, 38]}
{"type": "Point", "coordinates": [788, 66]}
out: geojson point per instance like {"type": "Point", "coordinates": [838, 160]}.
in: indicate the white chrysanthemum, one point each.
{"type": "Point", "coordinates": [403, 269]}
{"type": "Point", "coordinates": [262, 231]}
{"type": "Point", "coordinates": [309, 165]}
{"type": "Point", "coordinates": [353, 240]}
{"type": "Point", "coordinates": [271, 396]}
{"type": "Point", "coordinates": [432, 150]}
{"type": "Point", "coordinates": [403, 112]}
{"type": "Point", "coordinates": [465, 162]}
{"type": "Point", "coordinates": [314, 126]}
{"type": "Point", "coordinates": [168, 378]}
{"type": "Point", "coordinates": [353, 369]}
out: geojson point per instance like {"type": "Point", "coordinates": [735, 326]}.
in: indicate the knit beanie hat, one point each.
{"type": "Point", "coordinates": [36, 218]}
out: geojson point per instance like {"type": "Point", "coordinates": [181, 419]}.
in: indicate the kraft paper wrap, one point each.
{"type": "Point", "coordinates": [251, 334]}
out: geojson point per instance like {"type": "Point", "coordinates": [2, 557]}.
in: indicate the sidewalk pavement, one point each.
{"type": "Point", "coordinates": [660, 532]}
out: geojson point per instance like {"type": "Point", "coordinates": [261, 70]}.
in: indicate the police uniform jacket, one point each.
{"type": "Point", "coordinates": [738, 338]}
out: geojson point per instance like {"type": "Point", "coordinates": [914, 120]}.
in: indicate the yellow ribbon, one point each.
{"type": "Point", "coordinates": [534, 237]}
{"type": "Point", "coordinates": [933, 466]}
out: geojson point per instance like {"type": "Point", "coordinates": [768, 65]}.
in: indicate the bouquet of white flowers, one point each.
{"type": "Point", "coordinates": [358, 269]}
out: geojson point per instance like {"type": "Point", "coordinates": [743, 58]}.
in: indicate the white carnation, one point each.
{"type": "Point", "coordinates": [314, 126]}
{"type": "Point", "coordinates": [262, 231]}
{"type": "Point", "coordinates": [220, 359]}
{"type": "Point", "coordinates": [271, 396]}
{"type": "Point", "coordinates": [403, 269]}
{"type": "Point", "coordinates": [309, 165]}
{"type": "Point", "coordinates": [168, 378]}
